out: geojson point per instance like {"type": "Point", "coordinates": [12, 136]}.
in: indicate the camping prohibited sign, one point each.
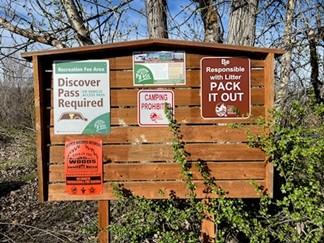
{"type": "Point", "coordinates": [81, 97]}
{"type": "Point", "coordinates": [151, 107]}
{"type": "Point", "coordinates": [225, 87]}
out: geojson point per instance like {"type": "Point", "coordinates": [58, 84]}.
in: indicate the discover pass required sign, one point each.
{"type": "Point", "coordinates": [225, 87]}
{"type": "Point", "coordinates": [81, 97]}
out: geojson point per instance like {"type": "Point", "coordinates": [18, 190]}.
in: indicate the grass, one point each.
{"type": "Point", "coordinates": [17, 155]}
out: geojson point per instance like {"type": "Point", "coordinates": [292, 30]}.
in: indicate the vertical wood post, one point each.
{"type": "Point", "coordinates": [208, 232]}
{"type": "Point", "coordinates": [268, 84]}
{"type": "Point", "coordinates": [40, 129]}
{"type": "Point", "coordinates": [269, 178]}
{"type": "Point", "coordinates": [268, 105]}
{"type": "Point", "coordinates": [103, 221]}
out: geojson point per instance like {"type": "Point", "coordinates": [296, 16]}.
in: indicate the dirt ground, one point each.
{"type": "Point", "coordinates": [22, 217]}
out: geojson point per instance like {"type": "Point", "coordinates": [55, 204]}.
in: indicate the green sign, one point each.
{"type": "Point", "coordinates": [81, 97]}
{"type": "Point", "coordinates": [159, 68]}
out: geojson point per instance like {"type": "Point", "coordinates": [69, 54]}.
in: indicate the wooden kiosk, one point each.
{"type": "Point", "coordinates": [140, 157]}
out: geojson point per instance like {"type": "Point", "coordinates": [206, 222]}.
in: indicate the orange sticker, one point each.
{"type": "Point", "coordinates": [83, 166]}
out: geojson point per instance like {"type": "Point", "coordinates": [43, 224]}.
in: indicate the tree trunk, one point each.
{"type": "Point", "coordinates": [316, 83]}
{"type": "Point", "coordinates": [241, 29]}
{"type": "Point", "coordinates": [157, 18]}
{"type": "Point", "coordinates": [286, 57]}
{"type": "Point", "coordinates": [211, 20]}
{"type": "Point", "coordinates": [78, 24]}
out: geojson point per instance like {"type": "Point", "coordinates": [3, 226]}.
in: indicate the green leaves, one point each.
{"type": "Point", "coordinates": [296, 146]}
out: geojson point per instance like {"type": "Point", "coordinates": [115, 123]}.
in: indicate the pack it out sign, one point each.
{"type": "Point", "coordinates": [225, 87]}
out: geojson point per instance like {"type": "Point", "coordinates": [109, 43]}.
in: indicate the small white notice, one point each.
{"type": "Point", "coordinates": [81, 97]}
{"type": "Point", "coordinates": [151, 107]}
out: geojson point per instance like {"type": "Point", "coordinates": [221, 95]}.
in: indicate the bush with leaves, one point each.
{"type": "Point", "coordinates": [295, 146]}
{"type": "Point", "coordinates": [144, 220]}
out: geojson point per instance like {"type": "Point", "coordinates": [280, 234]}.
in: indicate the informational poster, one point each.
{"type": "Point", "coordinates": [151, 107]}
{"type": "Point", "coordinates": [225, 87]}
{"type": "Point", "coordinates": [83, 166]}
{"type": "Point", "coordinates": [159, 68]}
{"type": "Point", "coordinates": [81, 97]}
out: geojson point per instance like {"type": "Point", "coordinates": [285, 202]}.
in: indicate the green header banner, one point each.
{"type": "Point", "coordinates": [80, 67]}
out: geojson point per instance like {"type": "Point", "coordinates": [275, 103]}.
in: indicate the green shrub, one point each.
{"type": "Point", "coordinates": [295, 214]}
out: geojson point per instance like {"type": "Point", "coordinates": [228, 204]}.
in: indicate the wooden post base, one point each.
{"type": "Point", "coordinates": [208, 232]}
{"type": "Point", "coordinates": [103, 221]}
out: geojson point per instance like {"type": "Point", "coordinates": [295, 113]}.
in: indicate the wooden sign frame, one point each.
{"type": "Point", "coordinates": [224, 148]}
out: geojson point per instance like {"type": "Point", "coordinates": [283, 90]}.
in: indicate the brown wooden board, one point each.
{"type": "Point", "coordinates": [163, 152]}
{"type": "Point", "coordinates": [166, 44]}
{"type": "Point", "coordinates": [163, 189]}
{"type": "Point", "coordinates": [184, 115]}
{"type": "Point", "coordinates": [142, 158]}
{"type": "Point", "coordinates": [183, 97]}
{"type": "Point", "coordinates": [171, 171]}
{"type": "Point", "coordinates": [191, 134]}
{"type": "Point", "coordinates": [124, 63]}
{"type": "Point", "coordinates": [124, 78]}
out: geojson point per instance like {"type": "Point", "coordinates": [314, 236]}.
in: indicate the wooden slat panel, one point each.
{"type": "Point", "coordinates": [128, 97]}
{"type": "Point", "coordinates": [185, 115]}
{"type": "Point", "coordinates": [152, 190]}
{"type": "Point", "coordinates": [121, 63]}
{"type": "Point", "coordinates": [181, 96]}
{"type": "Point", "coordinates": [163, 134]}
{"type": "Point", "coordinates": [230, 152]}
{"type": "Point", "coordinates": [235, 164]}
{"type": "Point", "coordinates": [257, 78]}
{"type": "Point", "coordinates": [171, 171]}
{"type": "Point", "coordinates": [193, 115]}
{"type": "Point", "coordinates": [162, 152]}
{"type": "Point", "coordinates": [124, 79]}
{"type": "Point", "coordinates": [192, 61]}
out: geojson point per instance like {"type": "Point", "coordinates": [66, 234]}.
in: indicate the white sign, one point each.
{"type": "Point", "coordinates": [151, 107]}
{"type": "Point", "coordinates": [81, 97]}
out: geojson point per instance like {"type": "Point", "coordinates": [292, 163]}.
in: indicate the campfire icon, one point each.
{"type": "Point", "coordinates": [155, 117]}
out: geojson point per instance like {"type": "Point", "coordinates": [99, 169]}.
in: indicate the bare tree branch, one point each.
{"type": "Point", "coordinates": [44, 38]}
